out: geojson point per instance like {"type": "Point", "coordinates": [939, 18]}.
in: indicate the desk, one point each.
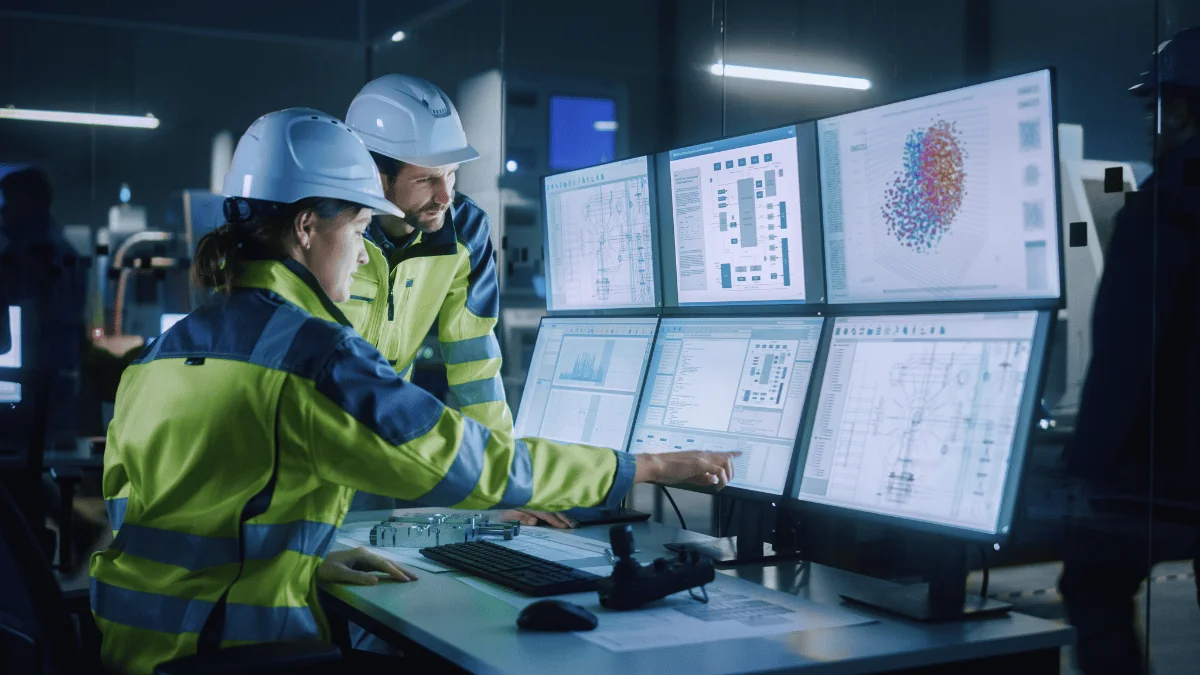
{"type": "Point", "coordinates": [478, 632]}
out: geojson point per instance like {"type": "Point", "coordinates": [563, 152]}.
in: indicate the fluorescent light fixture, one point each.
{"type": "Point", "coordinates": [511, 165]}
{"type": "Point", "coordinates": [97, 119]}
{"type": "Point", "coordinates": [790, 76]}
{"type": "Point", "coordinates": [605, 125]}
{"type": "Point", "coordinates": [398, 36]}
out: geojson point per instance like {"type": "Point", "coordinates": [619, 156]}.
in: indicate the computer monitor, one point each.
{"type": "Point", "coordinates": [585, 379]}
{"type": "Point", "coordinates": [730, 384]}
{"type": "Point", "coordinates": [600, 243]}
{"type": "Point", "coordinates": [740, 220]}
{"type": "Point", "coordinates": [10, 392]}
{"type": "Point", "coordinates": [924, 419]}
{"type": "Point", "coordinates": [945, 197]}
{"type": "Point", "coordinates": [169, 320]}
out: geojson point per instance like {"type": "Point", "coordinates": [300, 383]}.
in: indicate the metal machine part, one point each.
{"type": "Point", "coordinates": [421, 530]}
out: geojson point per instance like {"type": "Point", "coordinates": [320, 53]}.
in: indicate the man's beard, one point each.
{"type": "Point", "coordinates": [427, 226]}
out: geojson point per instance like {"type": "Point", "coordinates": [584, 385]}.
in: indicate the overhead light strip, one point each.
{"type": "Point", "coordinates": [790, 76]}
{"type": "Point", "coordinates": [95, 119]}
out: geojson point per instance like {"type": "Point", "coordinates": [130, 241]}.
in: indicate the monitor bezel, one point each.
{"type": "Point", "coordinates": [637, 399]}
{"type": "Point", "coordinates": [951, 305]}
{"type": "Point", "coordinates": [734, 491]}
{"type": "Point", "coordinates": [810, 237]}
{"type": "Point", "coordinates": [1022, 443]}
{"type": "Point", "coordinates": [655, 247]}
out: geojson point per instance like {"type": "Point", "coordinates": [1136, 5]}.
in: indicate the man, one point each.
{"type": "Point", "coordinates": [1136, 446]}
{"type": "Point", "coordinates": [436, 263]}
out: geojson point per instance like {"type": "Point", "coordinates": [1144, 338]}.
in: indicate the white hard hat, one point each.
{"type": "Point", "coordinates": [411, 120]}
{"type": "Point", "coordinates": [297, 153]}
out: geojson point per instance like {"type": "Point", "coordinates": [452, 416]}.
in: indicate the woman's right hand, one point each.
{"type": "Point", "coordinates": [711, 469]}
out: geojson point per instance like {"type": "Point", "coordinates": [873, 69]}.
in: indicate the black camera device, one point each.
{"type": "Point", "coordinates": [633, 584]}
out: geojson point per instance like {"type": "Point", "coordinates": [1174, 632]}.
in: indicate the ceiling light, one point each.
{"type": "Point", "coordinates": [132, 121]}
{"type": "Point", "coordinates": [398, 36]}
{"type": "Point", "coordinates": [605, 125]}
{"type": "Point", "coordinates": [790, 76]}
{"type": "Point", "coordinates": [511, 166]}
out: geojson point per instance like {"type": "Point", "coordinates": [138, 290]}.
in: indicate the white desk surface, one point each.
{"type": "Point", "coordinates": [479, 633]}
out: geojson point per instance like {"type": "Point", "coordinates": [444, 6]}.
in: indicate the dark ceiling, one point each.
{"type": "Point", "coordinates": [306, 20]}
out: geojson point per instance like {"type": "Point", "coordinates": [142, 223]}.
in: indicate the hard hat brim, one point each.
{"type": "Point", "coordinates": [438, 160]}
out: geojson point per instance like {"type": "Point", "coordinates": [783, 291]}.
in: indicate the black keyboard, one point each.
{"type": "Point", "coordinates": [516, 570]}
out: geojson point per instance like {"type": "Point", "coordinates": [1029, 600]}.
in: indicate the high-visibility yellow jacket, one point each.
{"type": "Point", "coordinates": [239, 438]}
{"type": "Point", "coordinates": [448, 276]}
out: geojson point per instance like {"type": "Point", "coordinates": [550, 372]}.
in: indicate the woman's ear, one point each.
{"type": "Point", "coordinates": [304, 227]}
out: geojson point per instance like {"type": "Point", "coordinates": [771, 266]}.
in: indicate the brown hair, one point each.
{"type": "Point", "coordinates": [254, 230]}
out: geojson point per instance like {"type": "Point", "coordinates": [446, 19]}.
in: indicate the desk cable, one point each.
{"type": "Point", "coordinates": [678, 513]}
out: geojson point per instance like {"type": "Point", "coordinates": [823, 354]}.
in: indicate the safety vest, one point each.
{"type": "Point", "coordinates": [449, 277]}
{"type": "Point", "coordinates": [240, 436]}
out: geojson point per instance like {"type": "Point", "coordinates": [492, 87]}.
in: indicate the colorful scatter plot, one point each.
{"type": "Point", "coordinates": [928, 192]}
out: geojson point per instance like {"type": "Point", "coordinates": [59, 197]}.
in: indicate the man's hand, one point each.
{"type": "Point", "coordinates": [354, 566]}
{"type": "Point", "coordinates": [711, 469]}
{"type": "Point", "coordinates": [531, 518]}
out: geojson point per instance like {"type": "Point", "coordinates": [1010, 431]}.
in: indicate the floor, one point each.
{"type": "Point", "coordinates": [1174, 613]}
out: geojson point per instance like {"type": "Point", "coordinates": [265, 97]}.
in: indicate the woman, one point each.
{"type": "Point", "coordinates": [242, 433]}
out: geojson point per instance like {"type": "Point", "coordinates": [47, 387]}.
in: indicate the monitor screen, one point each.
{"type": "Point", "coordinates": [583, 131]}
{"type": "Point", "coordinates": [599, 237]}
{"type": "Point", "coordinates": [737, 214]}
{"type": "Point", "coordinates": [585, 379]}
{"type": "Point", "coordinates": [10, 392]}
{"type": "Point", "coordinates": [917, 416]}
{"type": "Point", "coordinates": [730, 384]}
{"type": "Point", "coordinates": [945, 197]}
{"type": "Point", "coordinates": [169, 320]}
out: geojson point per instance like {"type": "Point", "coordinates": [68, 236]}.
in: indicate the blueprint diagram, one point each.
{"type": "Point", "coordinates": [927, 427]}
{"type": "Point", "coordinates": [604, 254]}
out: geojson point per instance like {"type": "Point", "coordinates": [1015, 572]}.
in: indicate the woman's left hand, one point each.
{"type": "Point", "coordinates": [354, 566]}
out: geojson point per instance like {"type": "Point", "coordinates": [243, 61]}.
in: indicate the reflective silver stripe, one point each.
{"type": "Point", "coordinates": [116, 511]}
{"type": "Point", "coordinates": [622, 481]}
{"type": "Point", "coordinates": [277, 336]}
{"type": "Point", "coordinates": [472, 349]}
{"type": "Point", "coordinates": [479, 391]}
{"type": "Point", "coordinates": [464, 473]}
{"type": "Point", "coordinates": [519, 490]}
{"type": "Point", "coordinates": [169, 614]}
{"type": "Point", "coordinates": [151, 611]}
{"type": "Point", "coordinates": [195, 551]}
{"type": "Point", "coordinates": [302, 536]}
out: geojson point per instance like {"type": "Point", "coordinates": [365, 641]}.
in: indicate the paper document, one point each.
{"type": "Point", "coordinates": [553, 545]}
{"type": "Point", "coordinates": [355, 537]}
{"type": "Point", "coordinates": [734, 611]}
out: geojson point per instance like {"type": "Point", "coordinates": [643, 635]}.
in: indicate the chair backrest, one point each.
{"type": "Point", "coordinates": [36, 633]}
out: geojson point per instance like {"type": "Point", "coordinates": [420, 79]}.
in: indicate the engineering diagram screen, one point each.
{"type": "Point", "coordinates": [736, 213]}
{"type": "Point", "coordinates": [730, 384]}
{"type": "Point", "coordinates": [917, 415]}
{"type": "Point", "coordinates": [584, 380]}
{"type": "Point", "coordinates": [944, 197]}
{"type": "Point", "coordinates": [10, 392]}
{"type": "Point", "coordinates": [598, 237]}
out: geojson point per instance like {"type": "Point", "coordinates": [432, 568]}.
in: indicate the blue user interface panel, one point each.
{"type": "Point", "coordinates": [739, 211]}
{"type": "Point", "coordinates": [730, 384]}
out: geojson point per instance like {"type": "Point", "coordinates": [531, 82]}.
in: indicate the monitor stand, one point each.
{"type": "Point", "coordinates": [944, 598]}
{"type": "Point", "coordinates": [592, 516]}
{"type": "Point", "coordinates": [747, 547]}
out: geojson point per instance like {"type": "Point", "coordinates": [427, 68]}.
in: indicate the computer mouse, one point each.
{"type": "Point", "coordinates": [556, 615]}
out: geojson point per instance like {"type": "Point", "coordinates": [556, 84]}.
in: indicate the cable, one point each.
{"type": "Point", "coordinates": [678, 513]}
{"type": "Point", "coordinates": [983, 588]}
